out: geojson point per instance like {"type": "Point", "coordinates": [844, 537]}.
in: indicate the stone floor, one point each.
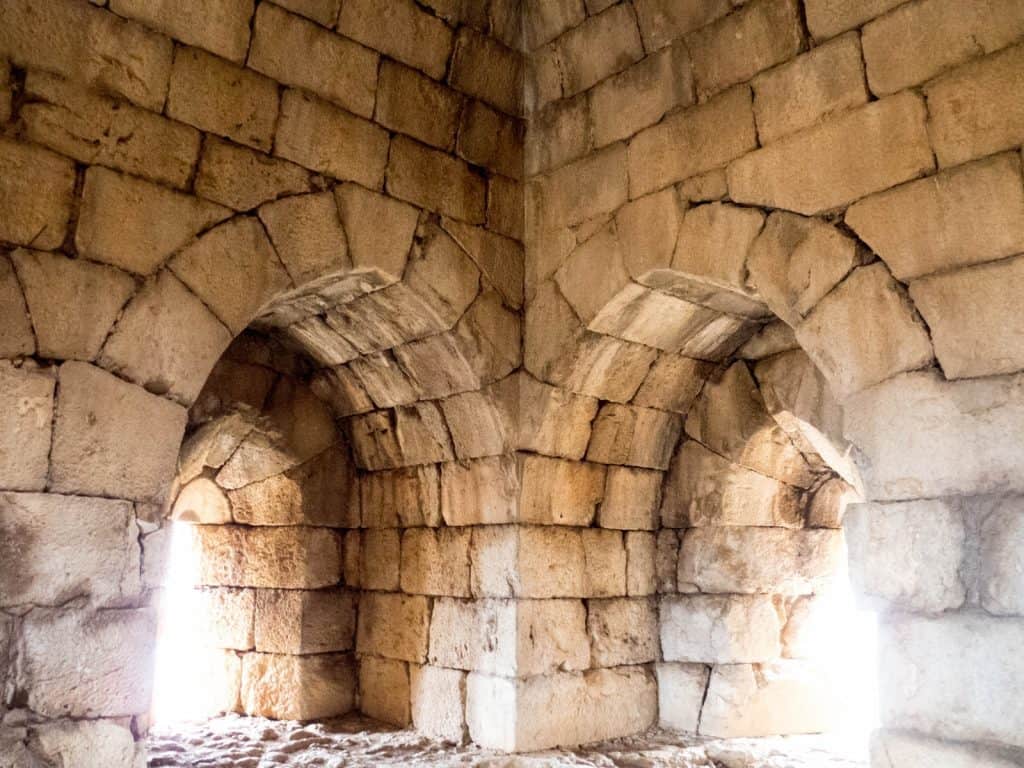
{"type": "Point", "coordinates": [355, 742]}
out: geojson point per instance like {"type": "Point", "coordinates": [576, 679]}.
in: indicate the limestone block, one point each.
{"type": "Point", "coordinates": [96, 130]}
{"type": "Point", "coordinates": [921, 436]}
{"type": "Point", "coordinates": [667, 561]}
{"type": "Point", "coordinates": [690, 142]}
{"type": "Point", "coordinates": [681, 689]}
{"type": "Point", "coordinates": [593, 275]}
{"type": "Point", "coordinates": [224, 617]}
{"type": "Point", "coordinates": [737, 47]}
{"type": "Point", "coordinates": [92, 46]}
{"type": "Point", "coordinates": [622, 631]}
{"type": "Point", "coordinates": [319, 136]}
{"type": "Point", "coordinates": [559, 492]}
{"type": "Point", "coordinates": [551, 562]}
{"type": "Point", "coordinates": [475, 424]}
{"type": "Point", "coordinates": [373, 440]}
{"type": "Point", "coordinates": [973, 111]}
{"type": "Point", "coordinates": [73, 303]}
{"type": "Point", "coordinates": [500, 259]}
{"type": "Point", "coordinates": [384, 692]}
{"type": "Point", "coordinates": [341, 390]}
{"type": "Point", "coordinates": [959, 217]}
{"type": "Point", "coordinates": [985, 341]}
{"type": "Point", "coordinates": [551, 636]}
{"type": "Point", "coordinates": [827, 18]}
{"type": "Point", "coordinates": [477, 635]}
{"type": "Point", "coordinates": [787, 697]}
{"type": "Point", "coordinates": [632, 499]}
{"type": "Point", "coordinates": [505, 207]}
{"type": "Point", "coordinates": [773, 338]}
{"type": "Point", "coordinates": [410, 103]}
{"type": "Point", "coordinates": [829, 504]}
{"type": "Point", "coordinates": [564, 126]}
{"type": "Point", "coordinates": [641, 95]}
{"type": "Point", "coordinates": [104, 427]}
{"type": "Point", "coordinates": [491, 140]}
{"type": "Point", "coordinates": [380, 561]}
{"type": "Point", "coordinates": [384, 380]}
{"type": "Point", "coordinates": [379, 229]}
{"type": "Point", "coordinates": [720, 629]}
{"type": "Point", "coordinates": [242, 179]}
{"type": "Point", "coordinates": [82, 664]}
{"type": "Point", "coordinates": [481, 491]}
{"type": "Point", "coordinates": [436, 561]}
{"type": "Point", "coordinates": [865, 332]}
{"type": "Point", "coordinates": [412, 175]}
{"type": "Point", "coordinates": [493, 554]}
{"type": "Point", "coordinates": [26, 419]}
{"type": "Point", "coordinates": [78, 742]}
{"type": "Point", "coordinates": [673, 383]}
{"type": "Point", "coordinates": [332, 67]}
{"type": "Point", "coordinates": [913, 44]}
{"type": "Point", "coordinates": [290, 558]}
{"type": "Point", "coordinates": [604, 563]}
{"type": "Point", "coordinates": [44, 561]}
{"type": "Point", "coordinates": [484, 68]}
{"type": "Point", "coordinates": [796, 261]}
{"type": "Point", "coordinates": [221, 672]}
{"type": "Point", "coordinates": [884, 142]}
{"type": "Point", "coordinates": [491, 710]}
{"type": "Point", "coordinates": [953, 677]}
{"type": "Point", "coordinates": [136, 225]}
{"type": "Point", "coordinates": [307, 234]}
{"type": "Point", "coordinates": [438, 702]}
{"type": "Point", "coordinates": [641, 564]}
{"type": "Point", "coordinates": [639, 437]}
{"type": "Point", "coordinates": [601, 46]}
{"type": "Point", "coordinates": [221, 27]}
{"type": "Point", "coordinates": [221, 98]}
{"type": "Point", "coordinates": [705, 187]}
{"type": "Point", "coordinates": [166, 340]}
{"type": "Point", "coordinates": [351, 558]}
{"type": "Point", "coordinates": [322, 491]}
{"type": "Point", "coordinates": [323, 12]}
{"type": "Point", "coordinates": [401, 30]}
{"type": "Point", "coordinates": [713, 243]}
{"type": "Point", "coordinates": [16, 337]}
{"type": "Point", "coordinates": [546, 21]}
{"type": "Point", "coordinates": [35, 195]}
{"type": "Point", "coordinates": [298, 687]}
{"type": "Point", "coordinates": [212, 444]}
{"type": "Point", "coordinates": [758, 560]}
{"type": "Point", "coordinates": [731, 419]}
{"type": "Point", "coordinates": [591, 186]}
{"type": "Point", "coordinates": [1001, 567]}
{"type": "Point", "coordinates": [648, 229]}
{"type": "Point", "coordinates": [704, 489]}
{"type": "Point", "coordinates": [401, 498]}
{"type": "Point", "coordinates": [893, 749]}
{"type": "Point", "coordinates": [826, 81]}
{"type": "Point", "coordinates": [393, 626]}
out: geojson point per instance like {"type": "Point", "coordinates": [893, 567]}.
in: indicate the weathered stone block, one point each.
{"type": "Point", "coordinates": [601, 46]}
{"type": "Point", "coordinates": [591, 186]}
{"type": "Point", "coordinates": [35, 195]}
{"type": "Point", "coordinates": [484, 68]}
{"type": "Point", "coordinates": [99, 742]}
{"type": "Point", "coordinates": [673, 383]}
{"type": "Point", "coordinates": [714, 241]}
{"type": "Point", "coordinates": [480, 491]}
{"type": "Point", "coordinates": [393, 626]}
{"type": "Point", "coordinates": [371, 245]}
{"type": "Point", "coordinates": [224, 617]}
{"type": "Point", "coordinates": [491, 140]}
{"type": "Point", "coordinates": [417, 106]}
{"type": "Point", "coordinates": [827, 18]}
{"type": "Point", "coordinates": [298, 687]}
{"type": "Point", "coordinates": [720, 629]}
{"type": "Point", "coordinates": [622, 631]}
{"type": "Point", "coordinates": [242, 179]}
{"type": "Point", "coordinates": [477, 635]}
{"type": "Point", "coordinates": [26, 423]}
{"type": "Point", "coordinates": [438, 702]}
{"type": "Point", "coordinates": [681, 689]}
{"type": "Point", "coordinates": [381, 559]}
{"type": "Point", "coordinates": [401, 498]}
{"type": "Point", "coordinates": [289, 558]}
{"type": "Point", "coordinates": [559, 492]}
{"type": "Point", "coordinates": [16, 336]}
{"type": "Point", "coordinates": [1001, 558]}
{"type": "Point", "coordinates": [662, 21]}
{"type": "Point", "coordinates": [884, 144]}
{"type": "Point", "coordinates": [401, 30]}
{"type": "Point", "coordinates": [436, 562]}
{"type": "Point", "coordinates": [221, 27]}
{"type": "Point", "coordinates": [647, 230]}
{"type": "Point", "coordinates": [632, 499]}
{"type": "Point", "coordinates": [384, 692]}
{"type": "Point", "coordinates": [493, 561]}
{"type": "Point", "coordinates": [638, 437]}
{"type": "Point", "coordinates": [307, 235]}
{"type": "Point", "coordinates": [413, 171]}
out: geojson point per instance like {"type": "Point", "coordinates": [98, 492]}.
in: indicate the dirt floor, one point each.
{"type": "Point", "coordinates": [355, 742]}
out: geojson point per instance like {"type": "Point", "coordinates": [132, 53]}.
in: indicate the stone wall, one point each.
{"type": "Point", "coordinates": [766, 252]}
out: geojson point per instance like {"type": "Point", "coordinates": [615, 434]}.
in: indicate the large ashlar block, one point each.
{"type": "Point", "coordinates": [220, 26]}
{"type": "Point", "coordinates": [827, 18]}
{"type": "Point", "coordinates": [380, 559]}
{"type": "Point", "coordinates": [865, 332]}
{"type": "Point", "coordinates": [286, 687]}
{"type": "Point", "coordinates": [410, 103]}
{"type": "Point", "coordinates": [401, 497]}
{"type": "Point", "coordinates": [954, 677]}
{"type": "Point", "coordinates": [895, 749]}
{"type": "Point", "coordinates": [436, 561]}
{"type": "Point", "coordinates": [26, 423]}
{"type": "Point", "coordinates": [475, 424]}
{"type": "Point", "coordinates": [474, 635]}
{"type": "Point", "coordinates": [243, 179]}
{"type": "Point", "coordinates": [376, 247]}
{"type": "Point", "coordinates": [704, 489]}
{"type": "Point", "coordinates": [989, 339]}
{"type": "Point", "coordinates": [82, 742]}
{"type": "Point", "coordinates": [884, 144]}
{"type": "Point", "coordinates": [558, 491]}
{"type": "Point", "coordinates": [974, 110]}
{"type": "Point", "coordinates": [622, 631]}
{"type": "Point", "coordinates": [84, 664]}
{"type": "Point", "coordinates": [787, 697]}
{"type": "Point", "coordinates": [304, 622]}
{"type": "Point", "coordinates": [401, 30]}
{"type": "Point", "coordinates": [550, 562]}
{"type": "Point", "coordinates": [967, 215]}
{"type": "Point", "coordinates": [483, 491]}
{"type": "Point", "coordinates": [647, 231]}
{"type": "Point", "coordinates": [412, 173]}
{"type": "Point", "coordinates": [438, 702]}
{"type": "Point", "coordinates": [35, 195]}
{"type": "Point", "coordinates": [673, 383]}
{"type": "Point", "coordinates": [224, 616]}
{"type": "Point", "coordinates": [290, 558]}
{"type": "Point", "coordinates": [720, 629]}
{"type": "Point", "coordinates": [731, 419]}
{"type": "Point", "coordinates": [393, 626]}
{"type": "Point", "coordinates": [384, 692]}
{"type": "Point", "coordinates": [632, 499]}
{"type": "Point", "coordinates": [639, 437]}
{"type": "Point", "coordinates": [908, 554]}
{"type": "Point", "coordinates": [562, 709]}
{"type": "Point", "coordinates": [16, 337]}
{"type": "Point", "coordinates": [591, 186]}
{"type": "Point", "coordinates": [922, 436]}
{"type": "Point", "coordinates": [641, 563]}
{"type": "Point", "coordinates": [484, 68]}
{"type": "Point", "coordinates": [493, 556]}
{"type": "Point", "coordinates": [758, 560]}
{"type": "Point", "coordinates": [1001, 568]}
{"type": "Point", "coordinates": [545, 419]}
{"type": "Point", "coordinates": [45, 562]}
{"type": "Point", "coordinates": [592, 275]}
{"type": "Point", "coordinates": [104, 426]}
{"type": "Point", "coordinates": [307, 235]}
{"type": "Point", "coordinates": [681, 689]}
{"type": "Point", "coordinates": [714, 241]}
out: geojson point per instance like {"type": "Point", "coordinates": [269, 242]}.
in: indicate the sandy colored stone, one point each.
{"type": "Point", "coordinates": [16, 336]}
{"type": "Point", "coordinates": [720, 629]}
{"type": "Point", "coordinates": [865, 332]}
{"type": "Point", "coordinates": [323, 138]}
{"type": "Point", "coordinates": [602, 45]}
{"type": "Point", "coordinates": [475, 424]}
{"type": "Point", "coordinates": [481, 491]}
{"type": "Point", "coordinates": [662, 21]}
{"type": "Point", "coordinates": [478, 635]}
{"type": "Point", "coordinates": [681, 689]}
{"type": "Point", "coordinates": [243, 179]}
{"type": "Point", "coordinates": [500, 259]}
{"type": "Point", "coordinates": [505, 206]}
{"type": "Point", "coordinates": [673, 383]}
{"type": "Point", "coordinates": [100, 742]}
{"type": "Point", "coordinates": [412, 175]}
{"type": "Point", "coordinates": [551, 636]}
{"type": "Point", "coordinates": [224, 617]}
{"type": "Point", "coordinates": [593, 275]}
{"type": "Point", "coordinates": [35, 195]}
{"type": "Point", "coordinates": [380, 560]}
{"type": "Point", "coordinates": [594, 185]}
{"type": "Point", "coordinates": [298, 687]}
{"type": "Point", "coordinates": [714, 241]}
{"type": "Point", "coordinates": [604, 563]}
{"type": "Point", "coordinates": [323, 12]}
{"type": "Point", "coordinates": [384, 692]}
{"type": "Point", "coordinates": [307, 235]}
{"type": "Point", "coordinates": [773, 338]}
{"type": "Point", "coordinates": [97, 130]}
{"type": "Point", "coordinates": [26, 424]}
{"type": "Point", "coordinates": [221, 27]}
{"type": "Point", "coordinates": [559, 492]}
{"type": "Point", "coordinates": [304, 622]}
{"type": "Point", "coordinates": [546, 419]}
{"type": "Point", "coordinates": [758, 560]}
{"type": "Point", "coordinates": [438, 699]}
{"type": "Point", "coordinates": [73, 303]}
{"type": "Point", "coordinates": [484, 68]}
{"type": "Point", "coordinates": [393, 626]}
{"type": "Point", "coordinates": [641, 563]}
{"type": "Point", "coordinates": [638, 437]}
{"type": "Point", "coordinates": [559, 133]}
{"type": "Point", "coordinates": [105, 426]}
{"type": "Point", "coordinates": [827, 18]}
{"type": "Point", "coordinates": [690, 142]}
{"type": "Point", "coordinates": [401, 30]}
{"type": "Point", "coordinates": [379, 228]}
{"type": "Point", "coordinates": [436, 562]}
{"type": "Point", "coordinates": [622, 631]}
{"type": "Point", "coordinates": [88, 44]}
{"type": "Point", "coordinates": [884, 144]}
{"type": "Point", "coordinates": [632, 499]}
{"type": "Point", "coordinates": [1001, 584]}
{"type": "Point", "coordinates": [403, 497]}
{"type": "Point", "coordinates": [413, 104]}
{"type": "Point", "coordinates": [647, 230]}
{"type": "Point", "coordinates": [290, 558]}
{"type": "Point", "coordinates": [810, 88]}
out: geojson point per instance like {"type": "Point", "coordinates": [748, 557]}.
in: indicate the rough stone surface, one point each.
{"type": "Point", "coordinates": [291, 558]}
{"type": "Point", "coordinates": [35, 195]}
{"type": "Point", "coordinates": [720, 629]}
{"type": "Point", "coordinates": [26, 424]}
{"type": "Point", "coordinates": [297, 687]}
